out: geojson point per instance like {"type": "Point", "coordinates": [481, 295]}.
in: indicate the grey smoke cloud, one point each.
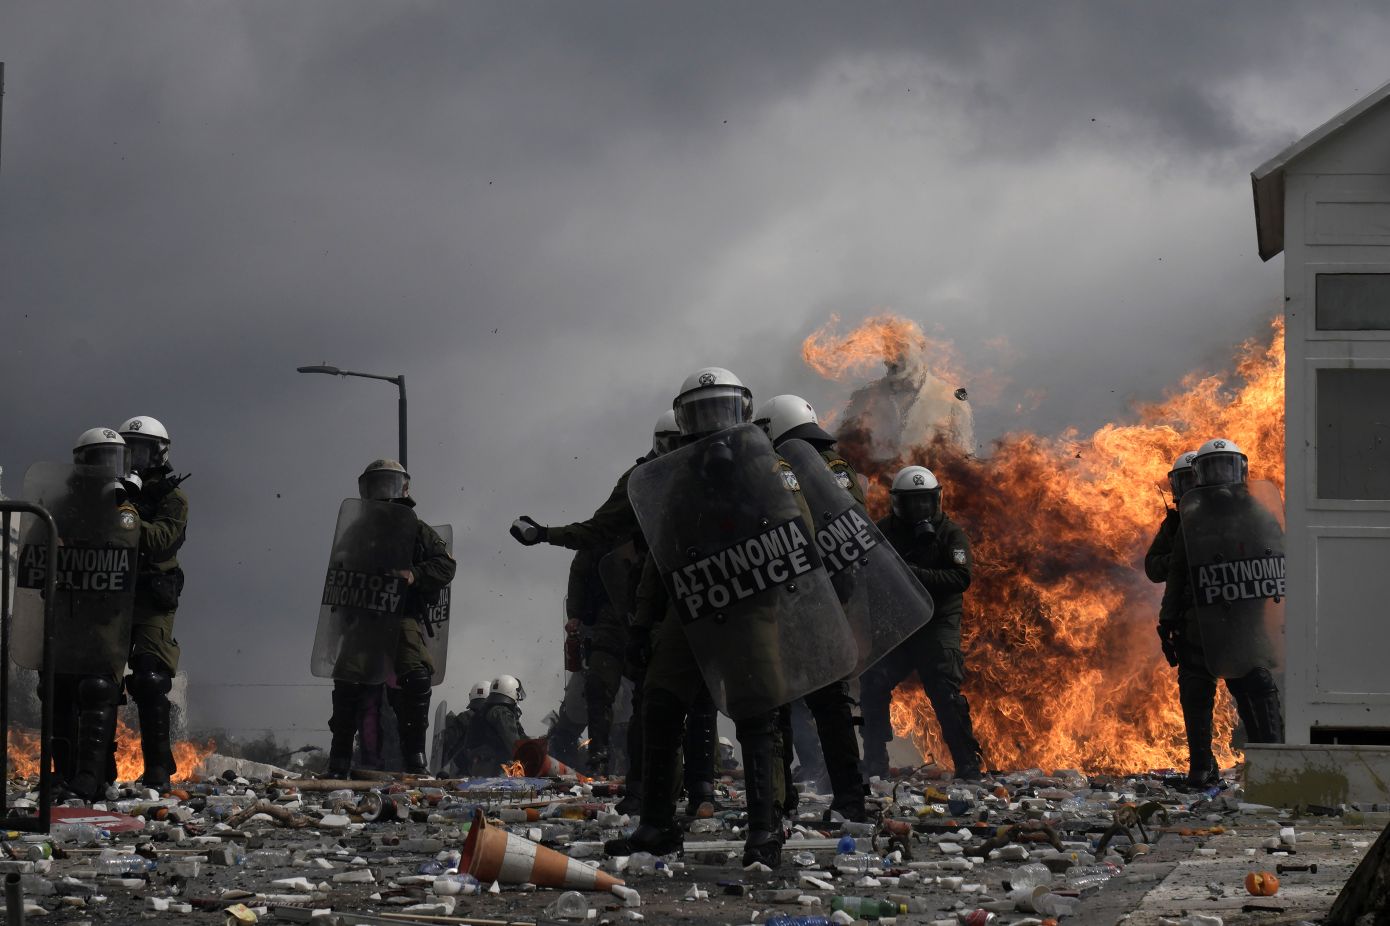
{"type": "Point", "coordinates": [545, 215]}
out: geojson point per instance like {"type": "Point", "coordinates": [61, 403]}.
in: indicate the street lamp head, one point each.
{"type": "Point", "coordinates": [321, 368]}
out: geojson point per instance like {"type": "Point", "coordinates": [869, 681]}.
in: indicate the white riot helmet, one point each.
{"type": "Point", "coordinates": [916, 495]}
{"type": "Point", "coordinates": [103, 448]}
{"type": "Point", "coordinates": [790, 417]}
{"type": "Point", "coordinates": [1182, 476]}
{"type": "Point", "coordinates": [385, 481]}
{"type": "Point", "coordinates": [480, 689]}
{"type": "Point", "coordinates": [509, 687]}
{"type": "Point", "coordinates": [149, 442]}
{"type": "Point", "coordinates": [665, 435]}
{"type": "Point", "coordinates": [711, 400]}
{"type": "Point", "coordinates": [1220, 462]}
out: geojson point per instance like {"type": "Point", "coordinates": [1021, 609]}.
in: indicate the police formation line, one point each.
{"type": "Point", "coordinates": [733, 569]}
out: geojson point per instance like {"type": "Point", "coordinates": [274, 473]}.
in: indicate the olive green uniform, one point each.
{"type": "Point", "coordinates": [606, 632]}
{"type": "Point", "coordinates": [493, 735]}
{"type": "Point", "coordinates": [943, 563]}
{"type": "Point", "coordinates": [613, 523]}
{"type": "Point", "coordinates": [163, 508]}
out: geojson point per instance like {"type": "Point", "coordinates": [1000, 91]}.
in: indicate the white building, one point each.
{"type": "Point", "coordinates": [1325, 203]}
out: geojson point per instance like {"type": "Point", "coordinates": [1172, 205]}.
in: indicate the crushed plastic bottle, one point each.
{"type": "Point", "coordinates": [859, 863]}
{"type": "Point", "coordinates": [867, 908]}
{"type": "Point", "coordinates": [455, 885]}
{"type": "Point", "coordinates": [123, 866]}
{"type": "Point", "coordinates": [268, 858]}
{"type": "Point", "coordinates": [570, 905]}
{"type": "Point", "coordinates": [641, 863]}
{"type": "Point", "coordinates": [798, 921]}
{"type": "Point", "coordinates": [1090, 877]}
{"type": "Point", "coordinates": [82, 834]}
{"type": "Point", "coordinates": [1030, 876]}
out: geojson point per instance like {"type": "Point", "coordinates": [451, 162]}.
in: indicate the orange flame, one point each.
{"type": "Point", "coordinates": [513, 769]}
{"type": "Point", "coordinates": [1063, 665]}
{"type": "Point", "coordinates": [24, 754]}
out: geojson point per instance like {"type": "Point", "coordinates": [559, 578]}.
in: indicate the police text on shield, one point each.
{"type": "Point", "coordinates": [363, 591]}
{"type": "Point", "coordinates": [1241, 580]}
{"type": "Point", "coordinates": [844, 541]}
{"type": "Point", "coordinates": [738, 572]}
{"type": "Point", "coordinates": [80, 569]}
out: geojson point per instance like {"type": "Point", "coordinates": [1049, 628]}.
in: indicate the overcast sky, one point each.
{"type": "Point", "coordinates": [545, 215]}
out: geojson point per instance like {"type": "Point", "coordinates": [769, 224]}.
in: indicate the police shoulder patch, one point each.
{"type": "Point", "coordinates": [842, 477]}
{"type": "Point", "coordinates": [958, 556]}
{"type": "Point", "coordinates": [788, 477]}
{"type": "Point", "coordinates": [128, 517]}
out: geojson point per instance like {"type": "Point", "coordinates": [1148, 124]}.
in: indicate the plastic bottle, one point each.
{"type": "Point", "coordinates": [641, 863]}
{"type": "Point", "coordinates": [432, 867]}
{"type": "Point", "coordinates": [846, 845]}
{"type": "Point", "coordinates": [858, 863]}
{"type": "Point", "coordinates": [1030, 876]}
{"type": "Point", "coordinates": [569, 905]}
{"type": "Point", "coordinates": [1090, 876]}
{"type": "Point", "coordinates": [268, 858]}
{"type": "Point", "coordinates": [123, 865]}
{"type": "Point", "coordinates": [454, 885]}
{"type": "Point", "coordinates": [867, 908]}
{"type": "Point", "coordinates": [78, 833]}
{"type": "Point", "coordinates": [798, 921]}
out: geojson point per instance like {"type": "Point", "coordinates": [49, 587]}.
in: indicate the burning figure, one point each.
{"type": "Point", "coordinates": [938, 553]}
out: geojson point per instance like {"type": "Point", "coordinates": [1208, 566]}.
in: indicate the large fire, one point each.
{"type": "Point", "coordinates": [1064, 667]}
{"type": "Point", "coordinates": [24, 754]}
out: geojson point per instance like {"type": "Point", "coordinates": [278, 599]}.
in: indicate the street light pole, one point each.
{"type": "Point", "coordinates": [398, 381]}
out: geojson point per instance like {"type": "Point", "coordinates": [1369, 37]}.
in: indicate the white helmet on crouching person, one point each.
{"type": "Point", "coordinates": [506, 688]}
{"type": "Point", "coordinates": [1220, 462]}
{"type": "Point", "coordinates": [479, 691]}
{"type": "Point", "coordinates": [711, 400]}
{"type": "Point", "coordinates": [916, 495]}
{"type": "Point", "coordinates": [790, 417]}
{"type": "Point", "coordinates": [102, 448]}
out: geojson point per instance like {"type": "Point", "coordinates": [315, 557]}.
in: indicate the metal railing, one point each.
{"type": "Point", "coordinates": [39, 824]}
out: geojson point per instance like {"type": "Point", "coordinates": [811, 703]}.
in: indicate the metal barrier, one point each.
{"type": "Point", "coordinates": [39, 824]}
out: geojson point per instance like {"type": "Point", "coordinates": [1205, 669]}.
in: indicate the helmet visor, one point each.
{"type": "Point", "coordinates": [1181, 480]}
{"type": "Point", "coordinates": [109, 458]}
{"type": "Point", "coordinates": [921, 505]}
{"type": "Point", "coordinates": [1219, 469]}
{"type": "Point", "coordinates": [383, 485]}
{"type": "Point", "coordinates": [664, 442]}
{"type": "Point", "coordinates": [144, 453]}
{"type": "Point", "coordinates": [711, 410]}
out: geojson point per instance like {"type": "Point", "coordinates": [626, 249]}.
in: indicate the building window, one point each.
{"type": "Point", "coordinates": [1353, 301]}
{"type": "Point", "coordinates": [1353, 434]}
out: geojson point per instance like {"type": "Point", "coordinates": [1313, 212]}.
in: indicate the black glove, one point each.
{"type": "Point", "coordinates": [527, 532]}
{"type": "Point", "coordinates": [924, 530]}
{"type": "Point", "coordinates": [638, 651]}
{"type": "Point", "coordinates": [1169, 633]}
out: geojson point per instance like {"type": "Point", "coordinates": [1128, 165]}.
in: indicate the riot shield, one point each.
{"type": "Point", "coordinates": [882, 599]}
{"type": "Point", "coordinates": [441, 717]}
{"type": "Point", "coordinates": [1234, 536]}
{"type": "Point", "coordinates": [364, 599]}
{"type": "Point", "coordinates": [435, 620]}
{"type": "Point", "coordinates": [619, 570]}
{"type": "Point", "coordinates": [99, 534]}
{"type": "Point", "coordinates": [725, 528]}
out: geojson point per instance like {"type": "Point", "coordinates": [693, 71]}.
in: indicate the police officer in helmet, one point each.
{"type": "Point", "coordinates": [494, 734]}
{"type": "Point", "coordinates": [431, 570]}
{"type": "Point", "coordinates": [154, 651]}
{"type": "Point", "coordinates": [1217, 463]}
{"type": "Point", "coordinates": [938, 553]}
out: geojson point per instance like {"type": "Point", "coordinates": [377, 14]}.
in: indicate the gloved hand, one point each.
{"type": "Point", "coordinates": [1169, 633]}
{"type": "Point", "coordinates": [638, 652]}
{"type": "Point", "coordinates": [527, 532]}
{"type": "Point", "coordinates": [924, 530]}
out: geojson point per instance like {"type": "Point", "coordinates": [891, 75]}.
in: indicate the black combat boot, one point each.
{"type": "Point", "coordinates": [96, 726]}
{"type": "Point", "coordinates": [1257, 703]}
{"type": "Point", "coordinates": [831, 707]}
{"type": "Point", "coordinates": [664, 718]}
{"type": "Point", "coordinates": [953, 713]}
{"type": "Point", "coordinates": [411, 704]}
{"type": "Point", "coordinates": [154, 743]}
{"type": "Point", "coordinates": [758, 736]}
{"type": "Point", "coordinates": [790, 796]}
{"type": "Point", "coordinates": [64, 727]}
{"type": "Point", "coordinates": [343, 726]}
{"type": "Point", "coordinates": [1197, 695]}
{"type": "Point", "coordinates": [701, 743]}
{"type": "Point", "coordinates": [632, 786]}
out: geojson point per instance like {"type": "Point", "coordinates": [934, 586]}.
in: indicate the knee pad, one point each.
{"type": "Point", "coordinates": [1256, 682]}
{"type": "Point", "coordinates": [96, 692]}
{"type": "Point", "coordinates": [148, 680]}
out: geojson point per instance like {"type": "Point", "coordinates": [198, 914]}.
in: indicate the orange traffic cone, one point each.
{"type": "Point", "coordinates": [493, 854]}
{"type": "Point", "coordinates": [537, 762]}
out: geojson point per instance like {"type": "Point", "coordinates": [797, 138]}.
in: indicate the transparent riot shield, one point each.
{"type": "Point", "coordinates": [882, 599]}
{"type": "Point", "coordinates": [1234, 537]}
{"type": "Point", "coordinates": [619, 570]}
{"type": "Point", "coordinates": [99, 533]}
{"type": "Point", "coordinates": [435, 620]}
{"type": "Point", "coordinates": [723, 522]}
{"type": "Point", "coordinates": [441, 718]}
{"type": "Point", "coordinates": [364, 597]}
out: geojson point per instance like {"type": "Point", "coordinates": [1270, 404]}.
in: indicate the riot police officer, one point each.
{"type": "Point", "coordinates": [1220, 494]}
{"type": "Point", "coordinates": [432, 568]}
{"type": "Point", "coordinates": [154, 651]}
{"type": "Point", "coordinates": [495, 732]}
{"type": "Point", "coordinates": [456, 728]}
{"type": "Point", "coordinates": [938, 552]}
{"type": "Point", "coordinates": [784, 418]}
{"type": "Point", "coordinates": [711, 401]}
{"type": "Point", "coordinates": [1180, 478]}
{"type": "Point", "coordinates": [92, 509]}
